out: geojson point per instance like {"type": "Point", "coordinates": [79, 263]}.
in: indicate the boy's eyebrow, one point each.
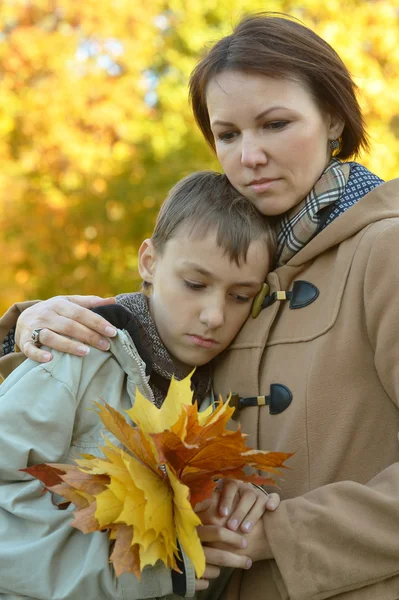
{"type": "Point", "coordinates": [205, 273]}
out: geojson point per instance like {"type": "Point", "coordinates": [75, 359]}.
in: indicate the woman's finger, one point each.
{"type": "Point", "coordinates": [62, 326]}
{"type": "Point", "coordinates": [225, 558]}
{"type": "Point", "coordinates": [211, 533]}
{"type": "Point", "coordinates": [34, 353]}
{"type": "Point", "coordinates": [60, 317]}
{"type": "Point", "coordinates": [89, 301]}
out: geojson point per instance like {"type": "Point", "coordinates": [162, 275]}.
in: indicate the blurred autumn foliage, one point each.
{"type": "Point", "coordinates": [95, 125]}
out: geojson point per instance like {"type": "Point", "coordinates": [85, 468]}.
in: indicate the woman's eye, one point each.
{"type": "Point", "coordinates": [227, 136]}
{"type": "Point", "coordinates": [193, 286]}
{"type": "Point", "coordinates": [275, 125]}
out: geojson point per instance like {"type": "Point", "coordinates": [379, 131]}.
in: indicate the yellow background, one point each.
{"type": "Point", "coordinates": [95, 125]}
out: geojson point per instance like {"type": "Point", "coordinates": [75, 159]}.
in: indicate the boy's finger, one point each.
{"type": "Point", "coordinates": [201, 584]}
{"type": "Point", "coordinates": [227, 496]}
{"type": "Point", "coordinates": [248, 500]}
{"type": "Point", "coordinates": [211, 572]}
{"type": "Point", "coordinates": [273, 501]}
{"type": "Point", "coordinates": [265, 502]}
{"type": "Point", "coordinates": [202, 506]}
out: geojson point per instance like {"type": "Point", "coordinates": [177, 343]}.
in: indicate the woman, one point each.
{"type": "Point", "coordinates": [275, 102]}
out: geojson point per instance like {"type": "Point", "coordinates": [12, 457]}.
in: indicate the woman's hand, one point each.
{"type": "Point", "coordinates": [64, 316]}
{"type": "Point", "coordinates": [256, 546]}
{"type": "Point", "coordinates": [226, 556]}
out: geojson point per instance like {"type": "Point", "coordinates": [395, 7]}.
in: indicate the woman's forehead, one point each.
{"type": "Point", "coordinates": [237, 91]}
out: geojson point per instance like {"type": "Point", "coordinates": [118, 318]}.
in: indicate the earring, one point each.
{"type": "Point", "coordinates": [146, 288]}
{"type": "Point", "coordinates": [334, 144]}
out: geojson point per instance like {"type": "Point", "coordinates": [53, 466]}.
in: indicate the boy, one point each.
{"type": "Point", "coordinates": [205, 263]}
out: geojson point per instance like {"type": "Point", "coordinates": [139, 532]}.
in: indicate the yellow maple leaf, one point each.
{"type": "Point", "coordinates": [145, 491]}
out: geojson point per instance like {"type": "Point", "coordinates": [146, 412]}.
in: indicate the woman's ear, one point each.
{"type": "Point", "coordinates": [147, 260]}
{"type": "Point", "coordinates": [336, 127]}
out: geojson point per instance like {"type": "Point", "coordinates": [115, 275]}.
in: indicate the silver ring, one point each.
{"type": "Point", "coordinates": [35, 337]}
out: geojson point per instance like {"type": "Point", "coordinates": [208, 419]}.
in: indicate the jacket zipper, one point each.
{"type": "Point", "coordinates": [127, 346]}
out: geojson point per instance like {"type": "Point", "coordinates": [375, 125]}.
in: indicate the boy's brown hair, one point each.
{"type": "Point", "coordinates": [206, 201]}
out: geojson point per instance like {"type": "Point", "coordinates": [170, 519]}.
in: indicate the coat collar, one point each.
{"type": "Point", "coordinates": [381, 203]}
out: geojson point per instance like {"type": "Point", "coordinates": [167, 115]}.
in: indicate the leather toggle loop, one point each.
{"type": "Point", "coordinates": [278, 400]}
{"type": "Point", "coordinates": [302, 294]}
{"type": "Point", "coordinates": [257, 304]}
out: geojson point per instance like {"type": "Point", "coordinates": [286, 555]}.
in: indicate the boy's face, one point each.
{"type": "Point", "coordinates": [200, 298]}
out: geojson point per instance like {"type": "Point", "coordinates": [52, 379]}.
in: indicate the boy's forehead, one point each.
{"type": "Point", "coordinates": [203, 253]}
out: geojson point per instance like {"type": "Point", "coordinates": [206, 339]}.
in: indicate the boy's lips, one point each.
{"type": "Point", "coordinates": [203, 342]}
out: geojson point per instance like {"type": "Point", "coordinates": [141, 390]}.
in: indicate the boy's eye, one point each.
{"type": "Point", "coordinates": [192, 285]}
{"type": "Point", "coordinates": [240, 299]}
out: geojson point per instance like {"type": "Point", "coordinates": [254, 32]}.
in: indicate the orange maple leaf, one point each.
{"type": "Point", "coordinates": [144, 492]}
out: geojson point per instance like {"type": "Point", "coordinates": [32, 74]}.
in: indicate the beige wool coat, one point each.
{"type": "Point", "coordinates": [336, 532]}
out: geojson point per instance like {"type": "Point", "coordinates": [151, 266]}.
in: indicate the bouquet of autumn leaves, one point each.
{"type": "Point", "coordinates": [145, 494]}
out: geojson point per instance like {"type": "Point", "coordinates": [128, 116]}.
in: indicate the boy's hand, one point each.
{"type": "Point", "coordinates": [244, 504]}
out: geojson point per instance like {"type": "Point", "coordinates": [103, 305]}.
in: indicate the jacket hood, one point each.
{"type": "Point", "coordinates": [381, 203]}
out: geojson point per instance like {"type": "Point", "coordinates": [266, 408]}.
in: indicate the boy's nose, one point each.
{"type": "Point", "coordinates": [212, 317]}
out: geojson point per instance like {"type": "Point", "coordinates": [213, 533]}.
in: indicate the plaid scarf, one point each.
{"type": "Point", "coordinates": [153, 352]}
{"type": "Point", "coordinates": [299, 225]}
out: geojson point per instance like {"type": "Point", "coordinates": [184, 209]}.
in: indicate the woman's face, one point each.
{"type": "Point", "coordinates": [271, 138]}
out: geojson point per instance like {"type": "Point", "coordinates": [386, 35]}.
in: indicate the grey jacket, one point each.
{"type": "Point", "coordinates": [45, 416]}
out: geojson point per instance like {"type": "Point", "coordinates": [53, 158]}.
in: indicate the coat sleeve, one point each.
{"type": "Point", "coordinates": [341, 540]}
{"type": "Point", "coordinates": [41, 555]}
{"type": "Point", "coordinates": [8, 321]}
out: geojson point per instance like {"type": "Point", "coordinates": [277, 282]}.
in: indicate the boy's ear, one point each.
{"type": "Point", "coordinates": [147, 260]}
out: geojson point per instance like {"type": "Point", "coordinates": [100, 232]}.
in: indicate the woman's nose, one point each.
{"type": "Point", "coordinates": [252, 152]}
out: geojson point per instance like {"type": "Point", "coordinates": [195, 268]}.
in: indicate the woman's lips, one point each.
{"type": "Point", "coordinates": [261, 185]}
{"type": "Point", "coordinates": [202, 342]}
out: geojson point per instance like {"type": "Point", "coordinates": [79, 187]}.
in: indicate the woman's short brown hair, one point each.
{"type": "Point", "coordinates": [279, 46]}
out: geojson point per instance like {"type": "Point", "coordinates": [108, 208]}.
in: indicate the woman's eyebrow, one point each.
{"type": "Point", "coordinates": [267, 111]}
{"type": "Point", "coordinates": [257, 118]}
